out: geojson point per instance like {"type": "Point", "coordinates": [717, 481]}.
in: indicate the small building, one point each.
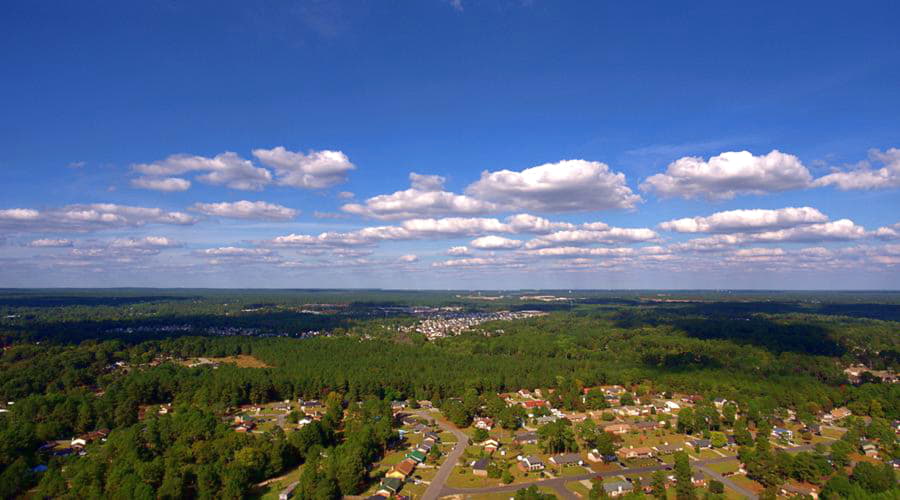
{"type": "Point", "coordinates": [668, 449]}
{"type": "Point", "coordinates": [402, 470]}
{"type": "Point", "coordinates": [480, 467]}
{"type": "Point", "coordinates": [526, 438]}
{"type": "Point", "coordinates": [838, 414]}
{"type": "Point", "coordinates": [782, 433]}
{"type": "Point", "coordinates": [698, 479]}
{"type": "Point", "coordinates": [484, 423]}
{"type": "Point", "coordinates": [391, 484]}
{"type": "Point", "coordinates": [703, 444]}
{"type": "Point", "coordinates": [490, 445]}
{"type": "Point", "coordinates": [617, 487]}
{"type": "Point", "coordinates": [617, 428]}
{"type": "Point", "coordinates": [632, 453]}
{"type": "Point", "coordinates": [567, 459]}
{"type": "Point", "coordinates": [416, 456]}
{"type": "Point", "coordinates": [531, 464]}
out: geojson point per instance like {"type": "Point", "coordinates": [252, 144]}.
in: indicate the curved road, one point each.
{"type": "Point", "coordinates": [462, 440]}
{"type": "Point", "coordinates": [437, 489]}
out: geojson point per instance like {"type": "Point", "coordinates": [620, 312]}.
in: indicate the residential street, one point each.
{"type": "Point", "coordinates": [434, 490]}
{"type": "Point", "coordinates": [437, 488]}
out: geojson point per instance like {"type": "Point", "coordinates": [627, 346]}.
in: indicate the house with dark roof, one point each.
{"type": "Point", "coordinates": [617, 487]}
{"type": "Point", "coordinates": [567, 459]}
{"type": "Point", "coordinates": [526, 438]}
{"type": "Point", "coordinates": [480, 467]}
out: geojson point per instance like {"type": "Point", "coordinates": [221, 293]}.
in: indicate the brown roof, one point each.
{"type": "Point", "coordinates": [406, 467]}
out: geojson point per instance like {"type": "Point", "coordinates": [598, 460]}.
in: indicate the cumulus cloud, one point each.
{"type": "Point", "coordinates": [314, 170]}
{"type": "Point", "coordinates": [493, 242]}
{"type": "Point", "coordinates": [865, 176]}
{"type": "Point", "coordinates": [526, 223]}
{"type": "Point", "coordinates": [595, 233]}
{"type": "Point", "coordinates": [409, 258]}
{"type": "Point", "coordinates": [226, 169]}
{"type": "Point", "coordinates": [839, 230]}
{"type": "Point", "coordinates": [567, 251]}
{"type": "Point", "coordinates": [50, 243]}
{"type": "Point", "coordinates": [89, 217]}
{"type": "Point", "coordinates": [746, 220]}
{"type": "Point", "coordinates": [255, 210]}
{"type": "Point", "coordinates": [235, 252]}
{"type": "Point", "coordinates": [565, 186]}
{"type": "Point", "coordinates": [19, 214]}
{"type": "Point", "coordinates": [458, 250]}
{"type": "Point", "coordinates": [147, 242]}
{"type": "Point", "coordinates": [729, 174]}
{"type": "Point", "coordinates": [888, 232]}
{"type": "Point", "coordinates": [425, 197]}
{"type": "Point", "coordinates": [167, 184]}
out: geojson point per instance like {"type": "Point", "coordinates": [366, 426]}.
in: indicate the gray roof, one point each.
{"type": "Point", "coordinates": [567, 458]}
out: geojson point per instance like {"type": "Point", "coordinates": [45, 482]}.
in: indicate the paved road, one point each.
{"type": "Point", "coordinates": [558, 483]}
{"type": "Point", "coordinates": [728, 482]}
{"type": "Point", "coordinates": [462, 440]}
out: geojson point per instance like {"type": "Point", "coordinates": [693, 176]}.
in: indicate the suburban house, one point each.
{"type": "Point", "coordinates": [617, 428]}
{"type": "Point", "coordinates": [402, 470]}
{"type": "Point", "coordinates": [838, 414]}
{"type": "Point", "coordinates": [433, 435]}
{"type": "Point", "coordinates": [416, 456]}
{"type": "Point", "coordinates": [634, 453]}
{"type": "Point", "coordinates": [698, 479]}
{"type": "Point", "coordinates": [484, 423]}
{"type": "Point", "coordinates": [567, 459]}
{"type": "Point", "coordinates": [668, 449]}
{"type": "Point", "coordinates": [700, 443]}
{"type": "Point", "coordinates": [646, 426]}
{"type": "Point", "coordinates": [490, 445]}
{"type": "Point", "coordinates": [537, 403]}
{"type": "Point", "coordinates": [617, 487]}
{"type": "Point", "coordinates": [479, 467]}
{"type": "Point", "coordinates": [531, 463]}
{"type": "Point", "coordinates": [801, 489]}
{"type": "Point", "coordinates": [526, 438]}
{"type": "Point", "coordinates": [391, 485]}
{"type": "Point", "coordinates": [782, 433]}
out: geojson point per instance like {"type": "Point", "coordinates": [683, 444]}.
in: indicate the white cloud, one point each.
{"type": "Point", "coordinates": [454, 226]}
{"type": "Point", "coordinates": [526, 223]}
{"type": "Point", "coordinates": [89, 217]}
{"type": "Point", "coordinates": [256, 210]}
{"type": "Point", "coordinates": [839, 230]}
{"type": "Point", "coordinates": [409, 258]}
{"type": "Point", "coordinates": [50, 243]}
{"type": "Point", "coordinates": [493, 242]}
{"type": "Point", "coordinates": [345, 195]}
{"type": "Point", "coordinates": [424, 198]}
{"type": "Point", "coordinates": [729, 174]}
{"type": "Point", "coordinates": [888, 232]}
{"type": "Point", "coordinates": [227, 169]}
{"type": "Point", "coordinates": [147, 242]}
{"type": "Point", "coordinates": [315, 170]}
{"type": "Point", "coordinates": [167, 184]}
{"type": "Point", "coordinates": [866, 177]}
{"type": "Point", "coordinates": [581, 252]}
{"type": "Point", "coordinates": [235, 252]}
{"type": "Point", "coordinates": [19, 214]}
{"type": "Point", "coordinates": [746, 220]}
{"type": "Point", "coordinates": [568, 185]}
{"type": "Point", "coordinates": [596, 233]}
{"type": "Point", "coordinates": [459, 250]}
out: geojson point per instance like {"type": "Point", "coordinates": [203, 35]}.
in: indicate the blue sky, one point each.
{"type": "Point", "coordinates": [559, 144]}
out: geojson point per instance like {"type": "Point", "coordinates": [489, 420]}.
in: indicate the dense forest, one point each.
{"type": "Point", "coordinates": [76, 362]}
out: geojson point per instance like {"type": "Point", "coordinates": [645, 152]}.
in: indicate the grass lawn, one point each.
{"type": "Point", "coordinates": [650, 439]}
{"type": "Point", "coordinates": [705, 454]}
{"type": "Point", "coordinates": [575, 470]}
{"type": "Point", "coordinates": [725, 467]}
{"type": "Point", "coordinates": [448, 437]}
{"type": "Point", "coordinates": [641, 462]}
{"type": "Point", "coordinates": [578, 488]}
{"type": "Point", "coordinates": [469, 480]}
{"type": "Point", "coordinates": [750, 484]}
{"type": "Point", "coordinates": [832, 433]}
{"type": "Point", "coordinates": [604, 467]}
{"type": "Point", "coordinates": [506, 495]}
